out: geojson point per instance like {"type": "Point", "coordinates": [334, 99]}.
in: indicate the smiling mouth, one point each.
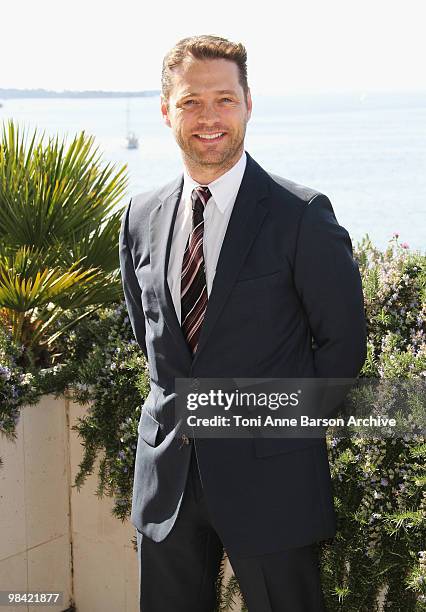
{"type": "Point", "coordinates": [210, 137]}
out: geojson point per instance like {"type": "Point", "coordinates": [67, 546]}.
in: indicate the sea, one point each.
{"type": "Point", "coordinates": [366, 152]}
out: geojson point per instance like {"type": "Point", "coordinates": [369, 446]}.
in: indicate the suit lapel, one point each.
{"type": "Point", "coordinates": [244, 224]}
{"type": "Point", "coordinates": [161, 225]}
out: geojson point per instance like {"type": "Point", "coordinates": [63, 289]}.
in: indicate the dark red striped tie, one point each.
{"type": "Point", "coordinates": [193, 278]}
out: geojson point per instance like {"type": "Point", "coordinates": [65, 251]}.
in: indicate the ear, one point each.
{"type": "Point", "coordinates": [165, 111]}
{"type": "Point", "coordinates": [249, 104]}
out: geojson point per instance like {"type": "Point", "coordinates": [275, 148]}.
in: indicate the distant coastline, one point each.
{"type": "Point", "coordinates": [8, 94]}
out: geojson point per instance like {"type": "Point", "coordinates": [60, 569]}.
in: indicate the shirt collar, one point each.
{"type": "Point", "coordinates": [224, 189]}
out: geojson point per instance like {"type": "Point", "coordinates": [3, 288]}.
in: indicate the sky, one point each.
{"type": "Point", "coordinates": [293, 47]}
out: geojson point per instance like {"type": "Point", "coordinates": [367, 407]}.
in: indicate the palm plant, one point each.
{"type": "Point", "coordinates": [59, 226]}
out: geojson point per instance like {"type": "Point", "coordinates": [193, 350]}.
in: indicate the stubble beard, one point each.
{"type": "Point", "coordinates": [221, 161]}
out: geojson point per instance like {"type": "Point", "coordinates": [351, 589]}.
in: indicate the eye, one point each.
{"type": "Point", "coordinates": [190, 102]}
{"type": "Point", "coordinates": [225, 100]}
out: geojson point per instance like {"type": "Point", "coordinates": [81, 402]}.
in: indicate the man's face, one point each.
{"type": "Point", "coordinates": [208, 113]}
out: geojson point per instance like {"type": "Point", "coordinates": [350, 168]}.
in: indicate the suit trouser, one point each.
{"type": "Point", "coordinates": [179, 573]}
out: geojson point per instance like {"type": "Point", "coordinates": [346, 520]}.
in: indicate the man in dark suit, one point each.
{"type": "Point", "coordinates": [229, 271]}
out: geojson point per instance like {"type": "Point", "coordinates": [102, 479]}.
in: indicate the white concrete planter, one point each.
{"type": "Point", "coordinates": [52, 537]}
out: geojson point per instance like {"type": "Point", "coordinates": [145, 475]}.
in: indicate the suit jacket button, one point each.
{"type": "Point", "coordinates": [195, 385]}
{"type": "Point", "coordinates": [184, 440]}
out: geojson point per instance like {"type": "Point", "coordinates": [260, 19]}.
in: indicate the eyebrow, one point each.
{"type": "Point", "coordinates": [220, 91]}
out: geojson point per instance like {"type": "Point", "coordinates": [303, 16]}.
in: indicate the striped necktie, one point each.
{"type": "Point", "coordinates": [193, 278]}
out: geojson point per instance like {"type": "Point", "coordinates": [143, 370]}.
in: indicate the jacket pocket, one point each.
{"type": "Point", "coordinates": [266, 276]}
{"type": "Point", "coordinates": [148, 428]}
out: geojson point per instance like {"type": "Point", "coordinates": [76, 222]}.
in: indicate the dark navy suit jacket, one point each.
{"type": "Point", "coordinates": [286, 302]}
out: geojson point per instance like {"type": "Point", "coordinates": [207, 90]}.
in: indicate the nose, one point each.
{"type": "Point", "coordinates": [208, 114]}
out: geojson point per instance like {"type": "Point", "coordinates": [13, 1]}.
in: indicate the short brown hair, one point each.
{"type": "Point", "coordinates": [204, 47]}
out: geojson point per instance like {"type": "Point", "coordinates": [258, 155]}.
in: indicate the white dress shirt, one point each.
{"type": "Point", "coordinates": [216, 217]}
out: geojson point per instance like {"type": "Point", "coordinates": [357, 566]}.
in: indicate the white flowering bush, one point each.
{"type": "Point", "coordinates": [113, 381]}
{"type": "Point", "coordinates": [16, 386]}
{"type": "Point", "coordinates": [379, 484]}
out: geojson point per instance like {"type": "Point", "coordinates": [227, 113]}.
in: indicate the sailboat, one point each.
{"type": "Point", "coordinates": [132, 139]}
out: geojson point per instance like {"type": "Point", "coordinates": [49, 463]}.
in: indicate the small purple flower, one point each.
{"type": "Point", "coordinates": [384, 482]}
{"type": "Point", "coordinates": [5, 372]}
{"type": "Point", "coordinates": [404, 245]}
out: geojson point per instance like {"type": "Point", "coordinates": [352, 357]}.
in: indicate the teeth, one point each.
{"type": "Point", "coordinates": [210, 136]}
